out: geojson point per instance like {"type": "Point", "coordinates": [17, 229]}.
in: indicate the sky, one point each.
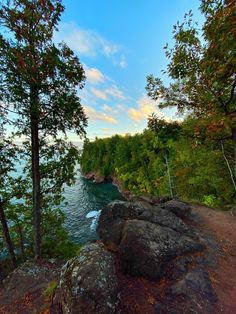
{"type": "Point", "coordinates": [119, 43]}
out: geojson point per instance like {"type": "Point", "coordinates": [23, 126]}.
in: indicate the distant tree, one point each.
{"type": "Point", "coordinates": [38, 82]}
{"type": "Point", "coordinates": [166, 133]}
{"type": "Point", "coordinates": [202, 70]}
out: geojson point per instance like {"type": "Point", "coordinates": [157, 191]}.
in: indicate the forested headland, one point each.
{"type": "Point", "coordinates": [166, 159]}
{"type": "Point", "coordinates": [194, 159]}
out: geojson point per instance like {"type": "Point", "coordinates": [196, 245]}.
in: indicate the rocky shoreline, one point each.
{"type": "Point", "coordinates": [97, 178]}
{"type": "Point", "coordinates": [143, 247]}
{"type": "Point", "coordinates": [151, 258]}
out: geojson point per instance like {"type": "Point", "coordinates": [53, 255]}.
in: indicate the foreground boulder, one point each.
{"type": "Point", "coordinates": [88, 283]}
{"type": "Point", "coordinates": [26, 289]}
{"type": "Point", "coordinates": [147, 236]}
{"type": "Point", "coordinates": [145, 248]}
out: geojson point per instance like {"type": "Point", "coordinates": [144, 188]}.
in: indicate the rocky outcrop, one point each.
{"type": "Point", "coordinates": [88, 283]}
{"type": "Point", "coordinates": [151, 260]}
{"type": "Point", "coordinates": [25, 289]}
{"type": "Point", "coordinates": [97, 178]}
{"type": "Point", "coordinates": [146, 248]}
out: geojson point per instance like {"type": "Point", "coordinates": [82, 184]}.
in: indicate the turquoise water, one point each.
{"type": "Point", "coordinates": [86, 198]}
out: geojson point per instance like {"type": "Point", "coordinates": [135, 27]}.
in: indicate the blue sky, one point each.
{"type": "Point", "coordinates": [119, 43]}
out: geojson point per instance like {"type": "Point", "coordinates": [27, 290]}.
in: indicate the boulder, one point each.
{"type": "Point", "coordinates": [24, 289]}
{"type": "Point", "coordinates": [165, 218]}
{"type": "Point", "coordinates": [195, 281]}
{"type": "Point", "coordinates": [111, 221]}
{"type": "Point", "coordinates": [146, 247]}
{"type": "Point", "coordinates": [88, 283]}
{"type": "Point", "coordinates": [177, 207]}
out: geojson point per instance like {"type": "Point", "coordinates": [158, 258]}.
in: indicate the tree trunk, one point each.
{"type": "Point", "coordinates": [35, 171]}
{"type": "Point", "coordinates": [7, 237]}
{"type": "Point", "coordinates": [234, 143]}
{"type": "Point", "coordinates": [21, 239]}
{"type": "Point", "coordinates": [228, 165]}
{"type": "Point", "coordinates": [169, 177]}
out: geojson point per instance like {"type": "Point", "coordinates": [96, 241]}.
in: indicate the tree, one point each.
{"type": "Point", "coordinates": [166, 133]}
{"type": "Point", "coordinates": [7, 152]}
{"type": "Point", "coordinates": [203, 72]}
{"type": "Point", "coordinates": [39, 83]}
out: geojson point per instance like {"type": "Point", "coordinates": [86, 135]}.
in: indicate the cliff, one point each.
{"type": "Point", "coordinates": [154, 256]}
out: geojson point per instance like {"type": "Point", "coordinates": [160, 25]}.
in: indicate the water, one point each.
{"type": "Point", "coordinates": [85, 200]}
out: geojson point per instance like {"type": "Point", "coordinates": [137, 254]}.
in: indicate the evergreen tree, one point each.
{"type": "Point", "coordinates": [39, 82]}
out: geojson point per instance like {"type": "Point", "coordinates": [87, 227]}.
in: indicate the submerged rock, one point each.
{"type": "Point", "coordinates": [88, 283]}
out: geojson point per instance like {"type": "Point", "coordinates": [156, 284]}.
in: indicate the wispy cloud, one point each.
{"type": "Point", "coordinates": [115, 92]}
{"type": "Point", "coordinates": [123, 63]}
{"type": "Point", "coordinates": [144, 109]}
{"type": "Point", "coordinates": [100, 94]}
{"type": "Point", "coordinates": [93, 114]}
{"type": "Point", "coordinates": [110, 109]}
{"type": "Point", "coordinates": [94, 76]}
{"type": "Point", "coordinates": [85, 41]}
{"type": "Point", "coordinates": [121, 107]}
{"type": "Point", "coordinates": [112, 91]}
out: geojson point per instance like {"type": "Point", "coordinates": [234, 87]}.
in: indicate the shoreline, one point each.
{"type": "Point", "coordinates": [110, 179]}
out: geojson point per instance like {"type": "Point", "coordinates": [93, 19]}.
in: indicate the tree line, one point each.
{"type": "Point", "coordinates": [195, 159]}
{"type": "Point", "coordinates": [166, 159]}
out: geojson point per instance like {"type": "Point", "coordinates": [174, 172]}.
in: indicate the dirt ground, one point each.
{"type": "Point", "coordinates": [222, 225]}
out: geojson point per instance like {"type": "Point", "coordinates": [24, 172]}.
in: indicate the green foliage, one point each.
{"type": "Point", "coordinates": [201, 72]}
{"type": "Point", "coordinates": [209, 200]}
{"type": "Point", "coordinates": [49, 292]}
{"type": "Point", "coordinates": [197, 169]}
{"type": "Point", "coordinates": [39, 83]}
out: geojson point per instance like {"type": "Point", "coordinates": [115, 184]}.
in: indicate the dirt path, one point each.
{"type": "Point", "coordinates": [222, 225]}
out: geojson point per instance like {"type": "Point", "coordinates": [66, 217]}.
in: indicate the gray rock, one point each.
{"type": "Point", "coordinates": [165, 218]}
{"type": "Point", "coordinates": [114, 215]}
{"type": "Point", "coordinates": [145, 248]}
{"type": "Point", "coordinates": [88, 283]}
{"type": "Point", "coordinates": [112, 219]}
{"type": "Point", "coordinates": [177, 207]}
{"type": "Point", "coordinates": [196, 283]}
{"type": "Point", "coordinates": [30, 279]}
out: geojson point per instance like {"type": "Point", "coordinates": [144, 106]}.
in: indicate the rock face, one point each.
{"type": "Point", "coordinates": [146, 236]}
{"type": "Point", "coordinates": [150, 257]}
{"type": "Point", "coordinates": [88, 283]}
{"type": "Point", "coordinates": [23, 290]}
{"type": "Point", "coordinates": [145, 248]}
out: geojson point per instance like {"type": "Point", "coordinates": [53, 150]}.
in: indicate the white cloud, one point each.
{"type": "Point", "coordinates": [112, 91]}
{"type": "Point", "coordinates": [120, 107]}
{"type": "Point", "coordinates": [94, 76]}
{"type": "Point", "coordinates": [84, 41]}
{"type": "Point", "coordinates": [144, 109]}
{"type": "Point", "coordinates": [96, 115]}
{"type": "Point", "coordinates": [105, 107]}
{"type": "Point", "coordinates": [99, 93]}
{"type": "Point", "coordinates": [115, 92]}
{"type": "Point", "coordinates": [123, 63]}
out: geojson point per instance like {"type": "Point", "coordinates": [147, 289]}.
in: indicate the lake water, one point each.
{"type": "Point", "coordinates": [85, 199]}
